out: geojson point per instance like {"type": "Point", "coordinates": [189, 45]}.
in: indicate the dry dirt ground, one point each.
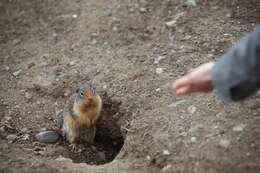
{"type": "Point", "coordinates": [50, 47]}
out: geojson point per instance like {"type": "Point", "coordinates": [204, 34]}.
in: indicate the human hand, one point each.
{"type": "Point", "coordinates": [199, 80]}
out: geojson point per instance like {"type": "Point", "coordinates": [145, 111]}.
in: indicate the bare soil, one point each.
{"type": "Point", "coordinates": [49, 48]}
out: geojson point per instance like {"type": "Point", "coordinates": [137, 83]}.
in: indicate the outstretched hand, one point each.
{"type": "Point", "coordinates": [199, 80]}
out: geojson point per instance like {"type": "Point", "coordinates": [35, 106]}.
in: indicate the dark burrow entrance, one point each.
{"type": "Point", "coordinates": [109, 139]}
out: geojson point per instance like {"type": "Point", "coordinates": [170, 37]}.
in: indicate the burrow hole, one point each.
{"type": "Point", "coordinates": [109, 138]}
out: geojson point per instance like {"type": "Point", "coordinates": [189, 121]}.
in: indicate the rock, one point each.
{"type": "Point", "coordinates": [25, 129]}
{"type": "Point", "coordinates": [230, 15]}
{"type": "Point", "coordinates": [7, 68]}
{"type": "Point", "coordinates": [47, 137]}
{"type": "Point", "coordinates": [157, 60]}
{"type": "Point", "coordinates": [102, 156]}
{"type": "Point", "coordinates": [195, 127]}
{"type": "Point", "coordinates": [94, 42]}
{"type": "Point", "coordinates": [188, 37]}
{"type": "Point", "coordinates": [131, 10]}
{"type": "Point", "coordinates": [239, 128]}
{"type": "Point", "coordinates": [193, 139]}
{"type": "Point", "coordinates": [74, 16]}
{"type": "Point", "coordinates": [166, 153]}
{"type": "Point", "coordinates": [25, 137]}
{"type": "Point", "coordinates": [191, 3]}
{"type": "Point", "coordinates": [143, 10]}
{"type": "Point", "coordinates": [63, 159]}
{"type": "Point", "coordinates": [192, 109]}
{"type": "Point", "coordinates": [170, 24]}
{"type": "Point", "coordinates": [16, 41]}
{"type": "Point", "coordinates": [28, 95]}
{"type": "Point", "coordinates": [159, 70]}
{"type": "Point", "coordinates": [158, 89]}
{"type": "Point", "coordinates": [167, 168]}
{"type": "Point", "coordinates": [114, 28]}
{"type": "Point", "coordinates": [175, 104]}
{"type": "Point", "coordinates": [66, 94]}
{"type": "Point", "coordinates": [15, 74]}
{"type": "Point", "coordinates": [224, 143]}
{"type": "Point", "coordinates": [148, 157]}
{"type": "Point", "coordinates": [2, 129]}
{"type": "Point", "coordinates": [139, 164]}
{"type": "Point", "coordinates": [95, 73]}
{"type": "Point", "coordinates": [59, 74]}
{"type": "Point", "coordinates": [11, 137]}
{"type": "Point", "coordinates": [8, 118]}
{"type": "Point", "coordinates": [172, 37]}
{"type": "Point", "coordinates": [72, 63]}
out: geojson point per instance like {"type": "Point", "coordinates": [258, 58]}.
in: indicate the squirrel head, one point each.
{"type": "Point", "coordinates": [86, 95]}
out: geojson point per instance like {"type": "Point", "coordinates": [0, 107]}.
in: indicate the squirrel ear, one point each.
{"type": "Point", "coordinates": [77, 90]}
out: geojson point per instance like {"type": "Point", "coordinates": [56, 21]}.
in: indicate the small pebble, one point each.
{"type": "Point", "coordinates": [175, 104]}
{"type": "Point", "coordinates": [167, 168]}
{"type": "Point", "coordinates": [71, 63]}
{"type": "Point", "coordinates": [159, 70]}
{"type": "Point", "coordinates": [143, 10]}
{"type": "Point", "coordinates": [102, 155]}
{"type": "Point", "coordinates": [28, 96]}
{"type": "Point", "coordinates": [2, 129]}
{"type": "Point", "coordinates": [74, 16]}
{"type": "Point", "coordinates": [166, 153]}
{"type": "Point", "coordinates": [63, 159]}
{"type": "Point", "coordinates": [11, 137]}
{"type": "Point", "coordinates": [170, 24]}
{"type": "Point", "coordinates": [131, 10]}
{"type": "Point", "coordinates": [93, 42]}
{"type": "Point", "coordinates": [26, 137]}
{"type": "Point", "coordinates": [172, 37]}
{"type": "Point", "coordinates": [239, 128]}
{"type": "Point", "coordinates": [47, 137]}
{"type": "Point", "coordinates": [193, 140]}
{"type": "Point", "coordinates": [224, 143]}
{"type": "Point", "coordinates": [25, 129]}
{"type": "Point", "coordinates": [192, 109]}
{"type": "Point", "coordinates": [148, 157]}
{"type": "Point", "coordinates": [8, 118]}
{"type": "Point", "coordinates": [157, 60]}
{"type": "Point", "coordinates": [188, 37]}
{"type": "Point", "coordinates": [15, 74]}
{"type": "Point", "coordinates": [158, 90]}
{"type": "Point", "coordinates": [191, 3]}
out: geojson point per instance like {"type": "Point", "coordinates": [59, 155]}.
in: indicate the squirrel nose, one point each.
{"type": "Point", "coordinates": [90, 99]}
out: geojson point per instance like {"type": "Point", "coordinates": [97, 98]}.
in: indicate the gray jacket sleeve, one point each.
{"type": "Point", "coordinates": [237, 74]}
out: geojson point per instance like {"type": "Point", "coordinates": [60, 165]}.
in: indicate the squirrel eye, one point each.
{"type": "Point", "coordinates": [81, 94]}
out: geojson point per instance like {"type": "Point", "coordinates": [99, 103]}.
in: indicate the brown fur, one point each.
{"type": "Point", "coordinates": [81, 125]}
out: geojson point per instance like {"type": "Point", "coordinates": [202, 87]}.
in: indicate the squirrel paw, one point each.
{"type": "Point", "coordinates": [76, 148]}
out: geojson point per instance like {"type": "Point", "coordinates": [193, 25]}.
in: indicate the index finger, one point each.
{"type": "Point", "coordinates": [183, 81]}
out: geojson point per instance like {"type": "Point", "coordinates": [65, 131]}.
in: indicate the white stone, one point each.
{"type": "Point", "coordinates": [239, 128]}
{"type": "Point", "coordinates": [224, 143]}
{"type": "Point", "coordinates": [159, 70]}
{"type": "Point", "coordinates": [158, 89]}
{"type": "Point", "coordinates": [166, 153]}
{"type": "Point", "coordinates": [193, 139]}
{"type": "Point", "coordinates": [166, 168]}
